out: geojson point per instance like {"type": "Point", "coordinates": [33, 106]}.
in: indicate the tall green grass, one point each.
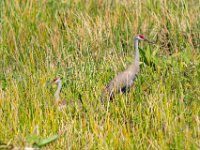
{"type": "Point", "coordinates": [87, 43]}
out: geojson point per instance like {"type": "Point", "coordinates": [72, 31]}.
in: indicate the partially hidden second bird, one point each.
{"type": "Point", "coordinates": [62, 103]}
{"type": "Point", "coordinates": [124, 80]}
{"type": "Point", "coordinates": [59, 102]}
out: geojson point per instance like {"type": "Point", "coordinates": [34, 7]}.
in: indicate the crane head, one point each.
{"type": "Point", "coordinates": [140, 37]}
{"type": "Point", "coordinates": [56, 80]}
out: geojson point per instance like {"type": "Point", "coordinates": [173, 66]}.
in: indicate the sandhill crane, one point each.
{"type": "Point", "coordinates": [125, 79]}
{"type": "Point", "coordinates": [58, 81]}
{"type": "Point", "coordinates": [64, 103]}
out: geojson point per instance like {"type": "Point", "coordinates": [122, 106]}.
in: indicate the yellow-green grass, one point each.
{"type": "Point", "coordinates": [87, 43]}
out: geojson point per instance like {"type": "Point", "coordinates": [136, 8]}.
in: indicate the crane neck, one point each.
{"type": "Point", "coordinates": [137, 55]}
{"type": "Point", "coordinates": [57, 93]}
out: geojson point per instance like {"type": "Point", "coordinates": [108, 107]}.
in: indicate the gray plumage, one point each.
{"type": "Point", "coordinates": [124, 80]}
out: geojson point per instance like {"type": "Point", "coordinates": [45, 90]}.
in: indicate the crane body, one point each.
{"type": "Point", "coordinates": [124, 80]}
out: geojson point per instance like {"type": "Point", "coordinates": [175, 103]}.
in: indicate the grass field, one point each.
{"type": "Point", "coordinates": [87, 42]}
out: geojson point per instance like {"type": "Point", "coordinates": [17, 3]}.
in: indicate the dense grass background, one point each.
{"type": "Point", "coordinates": [87, 43]}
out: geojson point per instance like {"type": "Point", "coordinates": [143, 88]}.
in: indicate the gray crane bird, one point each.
{"type": "Point", "coordinates": [58, 82]}
{"type": "Point", "coordinates": [64, 103]}
{"type": "Point", "coordinates": [124, 80]}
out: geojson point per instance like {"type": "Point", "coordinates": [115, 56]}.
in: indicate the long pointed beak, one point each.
{"type": "Point", "coordinates": [149, 41]}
